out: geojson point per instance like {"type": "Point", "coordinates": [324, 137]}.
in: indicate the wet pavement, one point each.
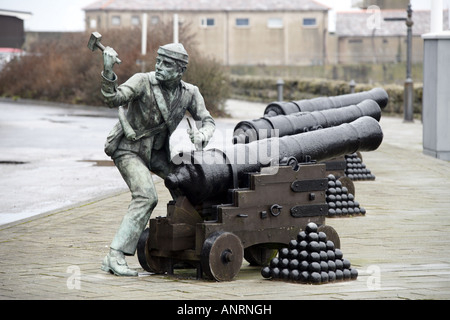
{"type": "Point", "coordinates": [400, 247]}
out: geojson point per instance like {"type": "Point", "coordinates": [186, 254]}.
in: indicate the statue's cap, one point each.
{"type": "Point", "coordinates": [174, 51]}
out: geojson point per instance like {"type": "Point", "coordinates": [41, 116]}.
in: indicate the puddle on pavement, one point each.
{"type": "Point", "coordinates": [12, 162]}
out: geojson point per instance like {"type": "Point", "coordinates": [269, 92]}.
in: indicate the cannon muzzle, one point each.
{"type": "Point", "coordinates": [208, 175]}
{"type": "Point", "coordinates": [379, 95]}
{"type": "Point", "coordinates": [296, 123]}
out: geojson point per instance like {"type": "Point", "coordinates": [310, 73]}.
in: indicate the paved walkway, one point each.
{"type": "Point", "coordinates": [400, 248]}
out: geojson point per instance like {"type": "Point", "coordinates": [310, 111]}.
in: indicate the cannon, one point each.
{"type": "Point", "coordinates": [346, 168]}
{"type": "Point", "coordinates": [379, 95]}
{"type": "Point", "coordinates": [283, 125]}
{"type": "Point", "coordinates": [245, 202]}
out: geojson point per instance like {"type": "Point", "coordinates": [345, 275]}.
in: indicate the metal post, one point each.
{"type": "Point", "coordinates": [409, 85]}
{"type": "Point", "coordinates": [352, 85]}
{"type": "Point", "coordinates": [280, 84]}
{"type": "Point", "coordinates": [175, 28]}
{"type": "Point", "coordinates": [144, 40]}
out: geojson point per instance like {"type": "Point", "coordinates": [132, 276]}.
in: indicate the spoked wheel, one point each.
{"type": "Point", "coordinates": [259, 255]}
{"type": "Point", "coordinates": [331, 235]}
{"type": "Point", "coordinates": [148, 262]}
{"type": "Point", "coordinates": [221, 256]}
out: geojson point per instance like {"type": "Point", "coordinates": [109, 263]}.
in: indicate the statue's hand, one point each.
{"type": "Point", "coordinates": [197, 138]}
{"type": "Point", "coordinates": [109, 59]}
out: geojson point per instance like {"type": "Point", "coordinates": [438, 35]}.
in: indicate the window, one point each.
{"type": "Point", "coordinates": [92, 23]}
{"type": "Point", "coordinates": [154, 20]}
{"type": "Point", "coordinates": [115, 20]}
{"type": "Point", "coordinates": [207, 22]}
{"type": "Point", "coordinates": [309, 22]}
{"type": "Point", "coordinates": [242, 22]}
{"type": "Point", "coordinates": [135, 21]}
{"type": "Point", "coordinates": [276, 23]}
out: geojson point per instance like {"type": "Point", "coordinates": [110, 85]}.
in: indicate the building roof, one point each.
{"type": "Point", "coordinates": [206, 5]}
{"type": "Point", "coordinates": [22, 15]}
{"type": "Point", "coordinates": [360, 23]}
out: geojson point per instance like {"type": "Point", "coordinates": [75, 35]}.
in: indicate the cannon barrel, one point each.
{"type": "Point", "coordinates": [285, 108]}
{"type": "Point", "coordinates": [208, 175]}
{"type": "Point", "coordinates": [300, 122]}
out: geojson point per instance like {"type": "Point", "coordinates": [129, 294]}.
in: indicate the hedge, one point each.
{"type": "Point", "coordinates": [264, 89]}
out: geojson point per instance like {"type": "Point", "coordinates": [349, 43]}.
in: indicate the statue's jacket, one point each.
{"type": "Point", "coordinates": [151, 114]}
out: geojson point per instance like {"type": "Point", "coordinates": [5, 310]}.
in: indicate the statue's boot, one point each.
{"type": "Point", "coordinates": [117, 265]}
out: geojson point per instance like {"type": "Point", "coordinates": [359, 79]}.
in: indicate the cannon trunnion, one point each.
{"type": "Point", "coordinates": [258, 221]}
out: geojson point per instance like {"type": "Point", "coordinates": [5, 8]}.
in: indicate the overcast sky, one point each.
{"type": "Point", "coordinates": [67, 15]}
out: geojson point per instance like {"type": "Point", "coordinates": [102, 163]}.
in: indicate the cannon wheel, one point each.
{"type": "Point", "coordinates": [148, 262]}
{"type": "Point", "coordinates": [221, 256]}
{"type": "Point", "coordinates": [348, 183]}
{"type": "Point", "coordinates": [331, 235]}
{"type": "Point", "coordinates": [258, 255]}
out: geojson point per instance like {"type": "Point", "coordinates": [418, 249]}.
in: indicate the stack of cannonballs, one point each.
{"type": "Point", "coordinates": [356, 170]}
{"type": "Point", "coordinates": [310, 259]}
{"type": "Point", "coordinates": [340, 201]}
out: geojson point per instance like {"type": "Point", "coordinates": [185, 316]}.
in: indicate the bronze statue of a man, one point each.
{"type": "Point", "coordinates": [139, 142]}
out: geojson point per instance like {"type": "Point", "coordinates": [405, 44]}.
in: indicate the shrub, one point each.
{"type": "Point", "coordinates": [67, 71]}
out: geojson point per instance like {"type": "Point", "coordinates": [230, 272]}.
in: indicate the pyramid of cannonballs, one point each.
{"type": "Point", "coordinates": [310, 259]}
{"type": "Point", "coordinates": [340, 201]}
{"type": "Point", "coordinates": [356, 170]}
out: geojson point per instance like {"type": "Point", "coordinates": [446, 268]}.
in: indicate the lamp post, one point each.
{"type": "Point", "coordinates": [409, 85]}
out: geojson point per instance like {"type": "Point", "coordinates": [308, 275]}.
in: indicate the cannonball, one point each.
{"type": "Point", "coordinates": [266, 273]}
{"type": "Point", "coordinates": [283, 253]}
{"type": "Point", "coordinates": [346, 263]}
{"type": "Point", "coordinates": [339, 275]}
{"type": "Point", "coordinates": [324, 266]}
{"type": "Point", "coordinates": [275, 272]}
{"type": "Point", "coordinates": [284, 274]}
{"type": "Point", "coordinates": [323, 256]}
{"type": "Point", "coordinates": [331, 276]}
{"type": "Point", "coordinates": [331, 255]}
{"type": "Point", "coordinates": [313, 236]}
{"type": "Point", "coordinates": [314, 267]}
{"type": "Point", "coordinates": [347, 274]}
{"type": "Point", "coordinates": [324, 277]}
{"type": "Point", "coordinates": [293, 254]}
{"type": "Point", "coordinates": [293, 264]}
{"type": "Point", "coordinates": [303, 255]}
{"type": "Point", "coordinates": [304, 266]}
{"type": "Point", "coordinates": [294, 275]}
{"type": "Point", "coordinates": [315, 278]}
{"type": "Point", "coordinates": [311, 227]}
{"type": "Point", "coordinates": [331, 266]}
{"type": "Point", "coordinates": [330, 245]}
{"type": "Point", "coordinates": [322, 236]}
{"type": "Point", "coordinates": [284, 263]}
{"type": "Point", "coordinates": [339, 264]}
{"type": "Point", "coordinates": [274, 262]}
{"type": "Point", "coordinates": [338, 254]}
{"type": "Point", "coordinates": [353, 273]}
{"type": "Point", "coordinates": [313, 246]}
{"type": "Point", "coordinates": [314, 257]}
{"type": "Point", "coordinates": [301, 236]}
{"type": "Point", "coordinates": [293, 244]}
{"type": "Point", "coordinates": [304, 276]}
{"type": "Point", "coordinates": [302, 245]}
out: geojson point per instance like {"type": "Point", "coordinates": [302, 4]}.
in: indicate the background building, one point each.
{"type": "Point", "coordinates": [235, 32]}
{"type": "Point", "coordinates": [12, 33]}
{"type": "Point", "coordinates": [362, 37]}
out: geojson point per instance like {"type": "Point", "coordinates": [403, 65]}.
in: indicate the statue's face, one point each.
{"type": "Point", "coordinates": [167, 69]}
